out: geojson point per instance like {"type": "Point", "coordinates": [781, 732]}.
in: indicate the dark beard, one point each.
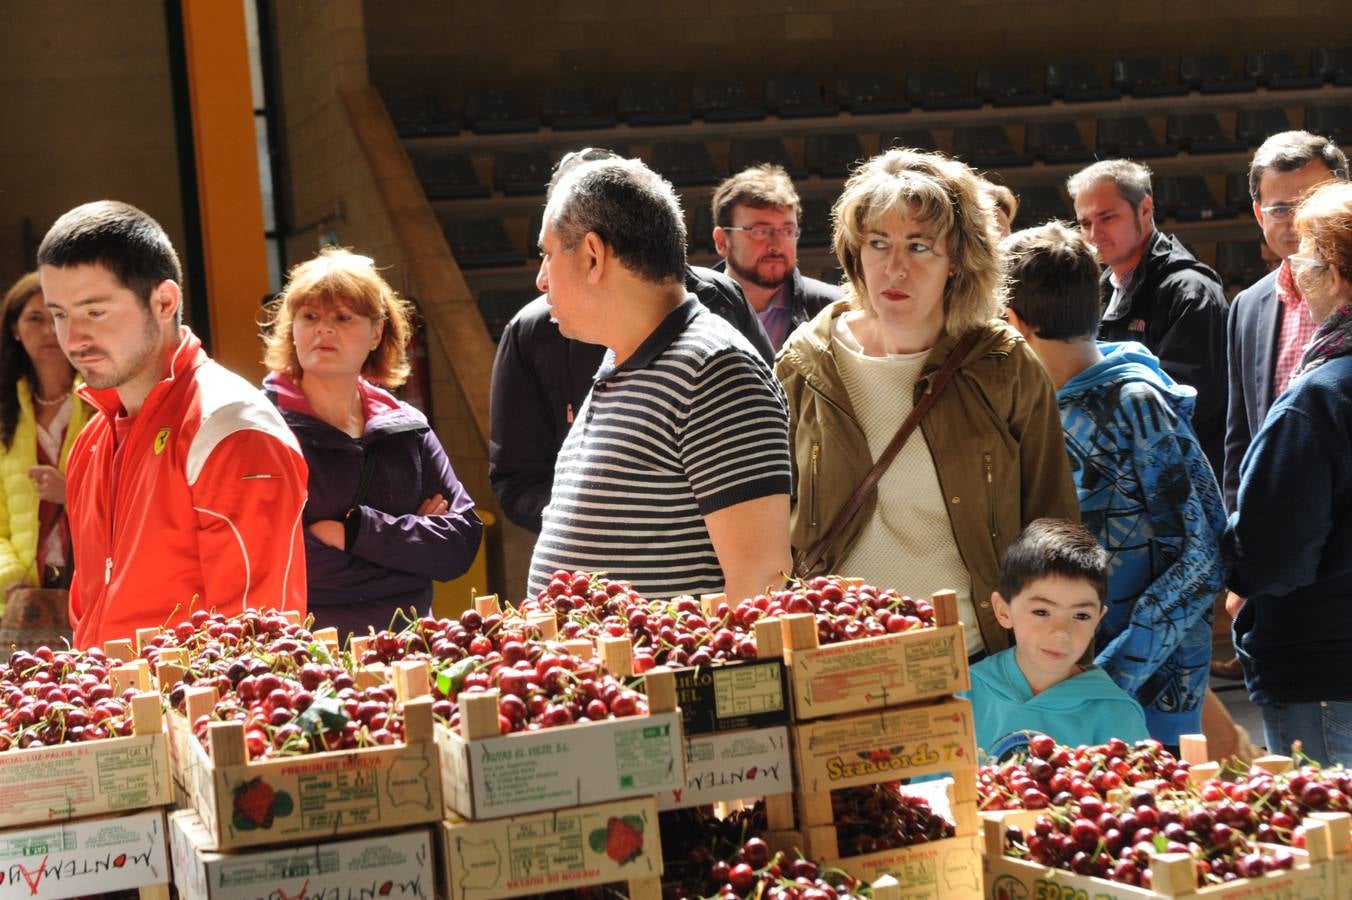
{"type": "Point", "coordinates": [752, 277]}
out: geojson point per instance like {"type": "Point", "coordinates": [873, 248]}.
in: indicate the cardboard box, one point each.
{"type": "Point", "coordinates": [69, 781]}
{"type": "Point", "coordinates": [733, 765]}
{"type": "Point", "coordinates": [384, 865]}
{"type": "Point", "coordinates": [89, 856]}
{"type": "Point", "coordinates": [524, 856]}
{"type": "Point", "coordinates": [554, 768]}
{"type": "Point", "coordinates": [940, 870]}
{"type": "Point", "coordinates": [878, 672]}
{"type": "Point", "coordinates": [317, 795]}
{"type": "Point", "coordinates": [883, 746]}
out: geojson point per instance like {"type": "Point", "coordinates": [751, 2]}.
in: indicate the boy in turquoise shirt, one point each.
{"type": "Point", "coordinates": [1051, 592]}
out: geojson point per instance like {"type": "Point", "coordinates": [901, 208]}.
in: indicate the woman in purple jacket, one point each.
{"type": "Point", "coordinates": [386, 515]}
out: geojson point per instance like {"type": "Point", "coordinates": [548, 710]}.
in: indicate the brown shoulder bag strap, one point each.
{"type": "Point", "coordinates": [870, 482]}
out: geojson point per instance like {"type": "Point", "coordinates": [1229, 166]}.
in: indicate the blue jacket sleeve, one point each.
{"type": "Point", "coordinates": [1185, 540]}
{"type": "Point", "coordinates": [437, 547]}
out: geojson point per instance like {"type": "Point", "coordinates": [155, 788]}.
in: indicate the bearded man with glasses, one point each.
{"type": "Point", "coordinates": [756, 217]}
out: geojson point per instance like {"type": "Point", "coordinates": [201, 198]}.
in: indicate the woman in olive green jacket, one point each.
{"type": "Point", "coordinates": [915, 238]}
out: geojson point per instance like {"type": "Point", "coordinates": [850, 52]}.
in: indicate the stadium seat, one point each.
{"type": "Point", "coordinates": [517, 172]}
{"type": "Point", "coordinates": [497, 111]}
{"type": "Point", "coordinates": [987, 146]}
{"type": "Point", "coordinates": [685, 163]}
{"type": "Point", "coordinates": [868, 94]}
{"type": "Point", "coordinates": [1240, 263]}
{"type": "Point", "coordinates": [940, 89]}
{"type": "Point", "coordinates": [745, 152]}
{"type": "Point", "coordinates": [700, 230]}
{"type": "Point", "coordinates": [1253, 126]}
{"type": "Point", "coordinates": [1008, 86]}
{"type": "Point", "coordinates": [1056, 142]}
{"type": "Point", "coordinates": [447, 175]}
{"type": "Point", "coordinates": [832, 155]}
{"type": "Point", "coordinates": [1130, 137]}
{"type": "Point", "coordinates": [724, 100]}
{"type": "Point", "coordinates": [1237, 194]}
{"type": "Point", "coordinates": [914, 138]}
{"type": "Point", "coordinates": [498, 306]}
{"type": "Point", "coordinates": [420, 116]}
{"type": "Point", "coordinates": [797, 97]}
{"type": "Point", "coordinates": [1332, 64]}
{"type": "Point", "coordinates": [1145, 77]}
{"type": "Point", "coordinates": [1212, 74]}
{"type": "Point", "coordinates": [1199, 133]}
{"type": "Point", "coordinates": [1278, 70]}
{"type": "Point", "coordinates": [1331, 121]}
{"type": "Point", "coordinates": [479, 243]}
{"type": "Point", "coordinates": [1078, 83]}
{"type": "Point", "coordinates": [1040, 203]}
{"type": "Point", "coordinates": [815, 224]}
{"type": "Point", "coordinates": [650, 104]}
{"type": "Point", "coordinates": [572, 108]}
{"type": "Point", "coordinates": [1187, 198]}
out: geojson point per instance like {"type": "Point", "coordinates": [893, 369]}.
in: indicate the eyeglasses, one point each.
{"type": "Point", "coordinates": [765, 232]}
{"type": "Point", "coordinates": [1301, 263]}
{"type": "Point", "coordinates": [1280, 210]}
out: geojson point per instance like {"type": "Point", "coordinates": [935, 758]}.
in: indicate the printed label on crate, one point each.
{"type": "Point", "coordinates": [942, 870]}
{"type": "Point", "coordinates": [748, 694]}
{"type": "Point", "coordinates": [884, 745]}
{"type": "Point", "coordinates": [69, 780]}
{"type": "Point", "coordinates": [385, 866]}
{"type": "Point", "coordinates": [569, 848]}
{"type": "Point", "coordinates": [561, 767]}
{"type": "Point", "coordinates": [880, 671]}
{"type": "Point", "coordinates": [93, 856]}
{"type": "Point", "coordinates": [1016, 879]}
{"type": "Point", "coordinates": [733, 766]}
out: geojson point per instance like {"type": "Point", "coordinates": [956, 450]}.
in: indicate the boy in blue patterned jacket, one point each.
{"type": "Point", "coordinates": [1146, 490]}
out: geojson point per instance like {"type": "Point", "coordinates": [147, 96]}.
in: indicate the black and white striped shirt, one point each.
{"type": "Point", "coordinates": [692, 423]}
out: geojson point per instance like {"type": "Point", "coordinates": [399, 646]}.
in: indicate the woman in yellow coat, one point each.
{"type": "Point", "coordinates": [39, 419]}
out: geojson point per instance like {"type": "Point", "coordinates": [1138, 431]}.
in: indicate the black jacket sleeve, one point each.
{"type": "Point", "coordinates": [523, 443]}
{"type": "Point", "coordinates": [1237, 436]}
{"type": "Point", "coordinates": [1191, 347]}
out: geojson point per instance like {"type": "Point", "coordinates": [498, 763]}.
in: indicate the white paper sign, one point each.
{"type": "Point", "coordinates": [733, 765]}
{"type": "Point", "coordinates": [92, 856]}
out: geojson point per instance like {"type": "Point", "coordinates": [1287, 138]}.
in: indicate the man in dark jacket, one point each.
{"type": "Point", "coordinates": [756, 215]}
{"type": "Point", "coordinates": [540, 378]}
{"type": "Point", "coordinates": [1154, 291]}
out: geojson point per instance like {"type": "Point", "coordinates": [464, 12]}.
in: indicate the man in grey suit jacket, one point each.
{"type": "Point", "coordinates": [1268, 323]}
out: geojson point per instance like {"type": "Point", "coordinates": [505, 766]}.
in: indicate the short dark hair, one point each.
{"type": "Point", "coordinates": [630, 207]}
{"type": "Point", "coordinates": [763, 186]}
{"type": "Point", "coordinates": [1053, 547]}
{"type": "Point", "coordinates": [1288, 151]}
{"type": "Point", "coordinates": [1053, 281]}
{"type": "Point", "coordinates": [121, 238]}
{"type": "Point", "coordinates": [14, 360]}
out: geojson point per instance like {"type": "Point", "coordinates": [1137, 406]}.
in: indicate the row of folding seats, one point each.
{"type": "Point", "coordinates": [447, 174]}
{"type": "Point", "coordinates": [495, 111]}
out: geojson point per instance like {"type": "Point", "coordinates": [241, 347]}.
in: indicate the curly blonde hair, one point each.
{"type": "Point", "coordinates": [338, 275]}
{"type": "Point", "coordinates": [943, 194]}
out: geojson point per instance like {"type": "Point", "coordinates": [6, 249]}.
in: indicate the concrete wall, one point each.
{"type": "Point", "coordinates": [88, 114]}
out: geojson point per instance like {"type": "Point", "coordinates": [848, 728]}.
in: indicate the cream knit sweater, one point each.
{"type": "Point", "coordinates": [908, 544]}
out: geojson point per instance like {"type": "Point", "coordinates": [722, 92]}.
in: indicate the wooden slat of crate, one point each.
{"type": "Point", "coordinates": [867, 748]}
{"type": "Point", "coordinates": [528, 855]}
{"type": "Point", "coordinates": [875, 672]}
{"type": "Point", "coordinates": [90, 778]}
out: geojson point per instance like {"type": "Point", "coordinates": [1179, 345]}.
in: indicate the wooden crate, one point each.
{"type": "Point", "coordinates": [86, 857]}
{"type": "Point", "coordinates": [399, 866]}
{"type": "Point", "coordinates": [887, 745]}
{"type": "Point", "coordinates": [876, 672]}
{"type": "Point", "coordinates": [318, 795]}
{"type": "Point", "coordinates": [487, 774]}
{"type": "Point", "coordinates": [1174, 875]}
{"type": "Point", "coordinates": [90, 778]}
{"type": "Point", "coordinates": [527, 855]}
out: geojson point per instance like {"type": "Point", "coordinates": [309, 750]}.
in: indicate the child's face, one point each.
{"type": "Point", "coordinates": [1053, 620]}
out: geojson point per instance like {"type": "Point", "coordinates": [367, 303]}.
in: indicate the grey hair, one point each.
{"type": "Point", "coordinates": [1132, 180]}
{"type": "Point", "coordinates": [635, 211]}
{"type": "Point", "coordinates": [1288, 151]}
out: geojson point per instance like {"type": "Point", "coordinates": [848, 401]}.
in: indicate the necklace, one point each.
{"type": "Point", "coordinates": [53, 402]}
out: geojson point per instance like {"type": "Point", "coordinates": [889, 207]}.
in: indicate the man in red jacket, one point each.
{"type": "Point", "coordinates": [185, 490]}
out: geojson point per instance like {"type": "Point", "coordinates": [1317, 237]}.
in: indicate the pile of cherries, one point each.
{"type": "Point", "coordinates": [883, 817]}
{"type": "Point", "coordinates": [60, 696]}
{"type": "Point", "coordinates": [1053, 775]}
{"type": "Point", "coordinates": [1280, 801]}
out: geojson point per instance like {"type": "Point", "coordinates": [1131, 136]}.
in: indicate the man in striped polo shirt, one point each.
{"type": "Point", "coordinates": [675, 475]}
